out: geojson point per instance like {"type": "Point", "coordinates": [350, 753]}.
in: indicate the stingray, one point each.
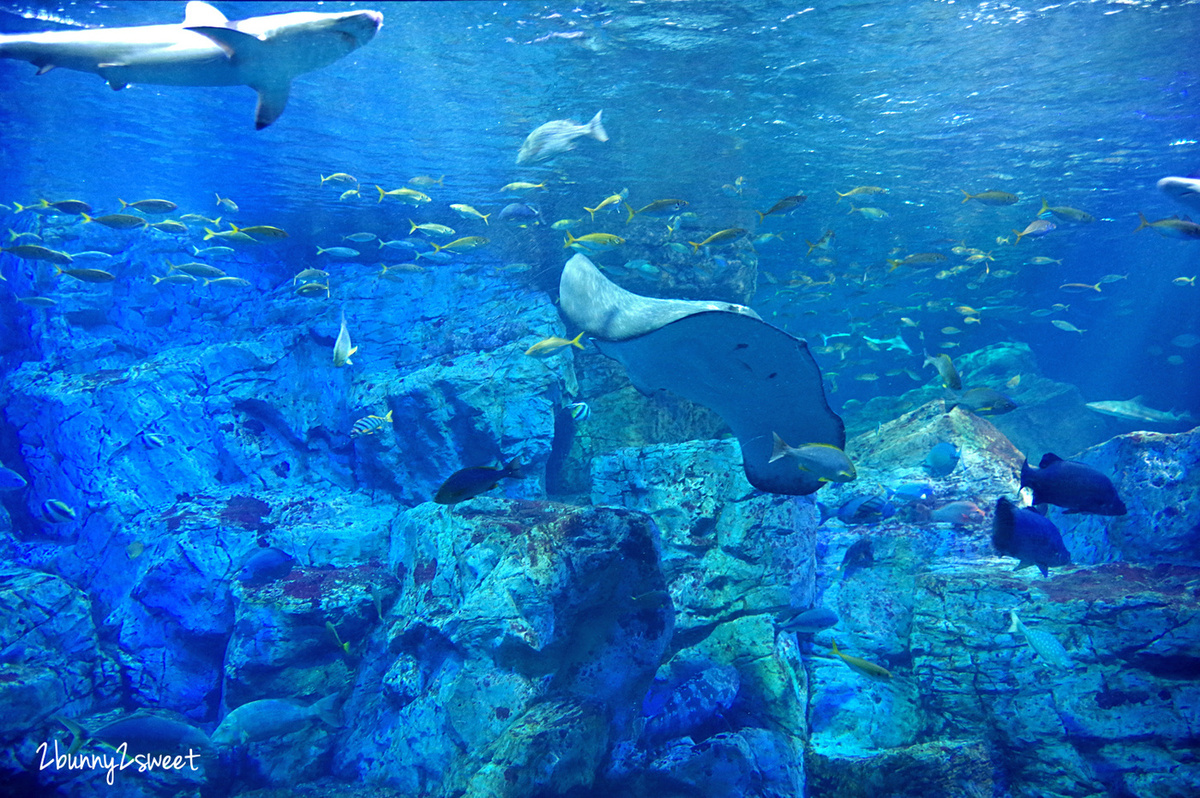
{"type": "Point", "coordinates": [757, 377]}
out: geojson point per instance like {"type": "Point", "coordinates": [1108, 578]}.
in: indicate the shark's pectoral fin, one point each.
{"type": "Point", "coordinates": [237, 45]}
{"type": "Point", "coordinates": [115, 83]}
{"type": "Point", "coordinates": [271, 102]}
{"type": "Point", "coordinates": [44, 68]}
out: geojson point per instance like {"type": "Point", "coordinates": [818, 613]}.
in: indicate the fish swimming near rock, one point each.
{"type": "Point", "coordinates": [272, 717]}
{"type": "Point", "coordinates": [945, 369]}
{"type": "Point", "coordinates": [868, 669]}
{"type": "Point", "coordinates": [56, 511]}
{"type": "Point", "coordinates": [807, 622]}
{"type": "Point", "coordinates": [11, 480]}
{"type": "Point", "coordinates": [1045, 644]}
{"type": "Point", "coordinates": [265, 53]}
{"type": "Point", "coordinates": [579, 411]}
{"type": "Point", "coordinates": [863, 509]}
{"type": "Point", "coordinates": [1073, 486]}
{"type": "Point", "coordinates": [152, 207]}
{"type": "Point", "coordinates": [911, 492]}
{"type": "Point", "coordinates": [959, 513]}
{"type": "Point", "coordinates": [369, 425]}
{"type": "Point", "coordinates": [827, 463]}
{"type": "Point", "coordinates": [942, 459]}
{"type": "Point", "coordinates": [553, 344]}
{"type": "Point", "coordinates": [266, 565]}
{"type": "Point", "coordinates": [342, 350]}
{"type": "Point", "coordinates": [859, 554]}
{"type": "Point", "coordinates": [1134, 410]}
{"type": "Point", "coordinates": [467, 483]}
{"type": "Point", "coordinates": [1029, 536]}
{"type": "Point", "coordinates": [141, 733]}
{"type": "Point", "coordinates": [38, 252]}
{"type": "Point", "coordinates": [557, 137]}
{"type": "Point", "coordinates": [985, 402]}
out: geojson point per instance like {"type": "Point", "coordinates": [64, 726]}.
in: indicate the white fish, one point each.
{"type": "Point", "coordinates": [264, 53]}
{"type": "Point", "coordinates": [342, 350]}
{"type": "Point", "coordinates": [558, 137]}
{"type": "Point", "coordinates": [1044, 643]}
{"type": "Point", "coordinates": [1134, 410]}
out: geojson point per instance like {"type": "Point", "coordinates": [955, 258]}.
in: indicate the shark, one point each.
{"type": "Point", "coordinates": [1134, 410]}
{"type": "Point", "coordinates": [265, 53]}
{"type": "Point", "coordinates": [1182, 189]}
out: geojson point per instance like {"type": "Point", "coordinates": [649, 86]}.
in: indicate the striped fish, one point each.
{"type": "Point", "coordinates": [369, 425]}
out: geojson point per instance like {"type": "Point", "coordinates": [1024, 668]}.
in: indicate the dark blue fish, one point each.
{"type": "Point", "coordinates": [519, 211]}
{"type": "Point", "coordinates": [266, 565]}
{"type": "Point", "coordinates": [1030, 537]}
{"type": "Point", "coordinates": [942, 459]}
{"type": "Point", "coordinates": [1073, 486]}
{"type": "Point", "coordinates": [808, 621]}
{"type": "Point", "coordinates": [866, 510]}
{"type": "Point", "coordinates": [912, 492]}
{"type": "Point", "coordinates": [11, 480]}
{"type": "Point", "coordinates": [467, 483]}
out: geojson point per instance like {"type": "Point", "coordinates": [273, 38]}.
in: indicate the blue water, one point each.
{"type": "Point", "coordinates": [1087, 104]}
{"type": "Point", "coordinates": [729, 106]}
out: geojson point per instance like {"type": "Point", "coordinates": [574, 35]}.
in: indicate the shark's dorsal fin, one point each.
{"type": "Point", "coordinates": [200, 14]}
{"type": "Point", "coordinates": [272, 99]}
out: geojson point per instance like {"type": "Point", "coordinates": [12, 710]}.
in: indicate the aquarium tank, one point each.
{"type": "Point", "coordinates": [572, 400]}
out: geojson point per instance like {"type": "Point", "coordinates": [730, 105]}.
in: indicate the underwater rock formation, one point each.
{"type": "Point", "coordinates": [972, 705]}
{"type": "Point", "coordinates": [523, 638]}
{"type": "Point", "coordinates": [733, 557]}
{"type": "Point", "coordinates": [1158, 475]}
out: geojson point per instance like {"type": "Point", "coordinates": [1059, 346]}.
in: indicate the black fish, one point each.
{"type": "Point", "coordinates": [859, 555]}
{"type": "Point", "coordinates": [1073, 486]}
{"type": "Point", "coordinates": [466, 483]}
{"type": "Point", "coordinates": [1031, 538]}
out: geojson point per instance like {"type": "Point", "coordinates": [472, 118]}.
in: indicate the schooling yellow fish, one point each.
{"type": "Point", "coordinates": [719, 237]}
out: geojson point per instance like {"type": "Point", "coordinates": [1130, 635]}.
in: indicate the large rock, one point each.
{"type": "Point", "coordinates": [734, 558]}
{"type": "Point", "coordinates": [970, 706]}
{"type": "Point", "coordinates": [514, 617]}
{"type": "Point", "coordinates": [1157, 475]}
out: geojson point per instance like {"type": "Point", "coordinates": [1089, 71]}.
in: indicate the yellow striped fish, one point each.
{"type": "Point", "coordinates": [369, 425]}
